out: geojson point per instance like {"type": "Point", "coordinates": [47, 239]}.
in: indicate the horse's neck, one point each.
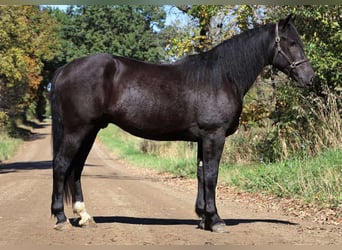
{"type": "Point", "coordinates": [250, 60]}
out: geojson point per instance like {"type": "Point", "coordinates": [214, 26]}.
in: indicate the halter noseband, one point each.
{"type": "Point", "coordinates": [292, 64]}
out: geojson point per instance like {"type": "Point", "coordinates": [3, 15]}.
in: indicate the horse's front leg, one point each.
{"type": "Point", "coordinates": [200, 201]}
{"type": "Point", "coordinates": [212, 147]}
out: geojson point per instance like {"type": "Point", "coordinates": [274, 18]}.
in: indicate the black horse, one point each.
{"type": "Point", "coordinates": [198, 98]}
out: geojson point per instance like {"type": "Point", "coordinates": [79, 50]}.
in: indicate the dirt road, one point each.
{"type": "Point", "coordinates": [132, 206]}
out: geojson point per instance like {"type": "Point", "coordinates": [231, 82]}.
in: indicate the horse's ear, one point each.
{"type": "Point", "coordinates": [283, 23]}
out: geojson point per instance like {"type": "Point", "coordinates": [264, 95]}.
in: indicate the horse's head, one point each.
{"type": "Point", "coordinates": [289, 56]}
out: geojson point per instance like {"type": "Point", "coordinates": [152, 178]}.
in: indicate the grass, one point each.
{"type": "Point", "coordinates": [8, 146]}
{"type": "Point", "coordinates": [314, 180]}
{"type": "Point", "coordinates": [131, 149]}
{"type": "Point", "coordinates": [12, 135]}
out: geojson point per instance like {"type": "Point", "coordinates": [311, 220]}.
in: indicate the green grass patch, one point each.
{"type": "Point", "coordinates": [8, 146]}
{"type": "Point", "coordinates": [314, 180]}
{"type": "Point", "coordinates": [130, 148]}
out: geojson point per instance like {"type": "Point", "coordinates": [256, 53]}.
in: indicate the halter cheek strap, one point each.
{"type": "Point", "coordinates": [278, 50]}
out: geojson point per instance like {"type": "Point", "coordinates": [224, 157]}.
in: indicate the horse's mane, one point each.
{"type": "Point", "coordinates": [238, 60]}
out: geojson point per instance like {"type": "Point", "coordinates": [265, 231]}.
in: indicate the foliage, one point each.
{"type": "Point", "coordinates": [211, 25]}
{"type": "Point", "coordinates": [129, 31]}
{"type": "Point", "coordinates": [8, 146]}
{"type": "Point", "coordinates": [299, 124]}
{"type": "Point", "coordinates": [27, 37]}
{"type": "Point", "coordinates": [248, 16]}
{"type": "Point", "coordinates": [4, 120]}
{"type": "Point", "coordinates": [194, 39]}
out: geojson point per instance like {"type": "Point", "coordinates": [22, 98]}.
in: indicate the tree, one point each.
{"type": "Point", "coordinates": [211, 25]}
{"type": "Point", "coordinates": [27, 39]}
{"type": "Point", "coordinates": [130, 31]}
{"type": "Point", "coordinates": [199, 36]}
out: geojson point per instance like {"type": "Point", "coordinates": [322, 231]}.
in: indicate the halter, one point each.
{"type": "Point", "coordinates": [292, 64]}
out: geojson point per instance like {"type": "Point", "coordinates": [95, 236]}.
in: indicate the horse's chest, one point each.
{"type": "Point", "coordinates": [219, 111]}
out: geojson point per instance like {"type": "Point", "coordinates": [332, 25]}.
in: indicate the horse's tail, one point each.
{"type": "Point", "coordinates": [57, 125]}
{"type": "Point", "coordinates": [57, 134]}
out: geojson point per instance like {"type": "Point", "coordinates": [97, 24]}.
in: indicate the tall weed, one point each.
{"type": "Point", "coordinates": [8, 146]}
{"type": "Point", "coordinates": [298, 125]}
{"type": "Point", "coordinates": [317, 180]}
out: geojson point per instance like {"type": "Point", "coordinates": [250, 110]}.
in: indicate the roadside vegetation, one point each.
{"type": "Point", "coordinates": [174, 157]}
{"type": "Point", "coordinates": [8, 146]}
{"type": "Point", "coordinates": [13, 133]}
{"type": "Point", "coordinates": [311, 179]}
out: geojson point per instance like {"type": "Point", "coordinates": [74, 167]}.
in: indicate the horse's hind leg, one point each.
{"type": "Point", "coordinates": [61, 168]}
{"type": "Point", "coordinates": [63, 171]}
{"type": "Point", "coordinates": [78, 164]}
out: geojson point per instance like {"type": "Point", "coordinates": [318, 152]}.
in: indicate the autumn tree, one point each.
{"type": "Point", "coordinates": [27, 37]}
{"type": "Point", "coordinates": [211, 25]}
{"type": "Point", "coordinates": [198, 37]}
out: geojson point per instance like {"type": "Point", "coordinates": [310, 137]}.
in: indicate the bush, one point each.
{"type": "Point", "coordinates": [4, 120]}
{"type": "Point", "coordinates": [294, 124]}
{"type": "Point", "coordinates": [8, 146]}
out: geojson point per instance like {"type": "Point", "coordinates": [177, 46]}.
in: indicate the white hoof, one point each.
{"type": "Point", "coordinates": [80, 210]}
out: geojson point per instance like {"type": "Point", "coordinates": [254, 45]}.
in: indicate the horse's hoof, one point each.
{"type": "Point", "coordinates": [201, 225]}
{"type": "Point", "coordinates": [88, 223]}
{"type": "Point", "coordinates": [63, 226]}
{"type": "Point", "coordinates": [219, 227]}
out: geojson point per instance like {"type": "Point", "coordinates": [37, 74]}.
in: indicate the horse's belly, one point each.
{"type": "Point", "coordinates": [155, 127]}
{"type": "Point", "coordinates": [160, 133]}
